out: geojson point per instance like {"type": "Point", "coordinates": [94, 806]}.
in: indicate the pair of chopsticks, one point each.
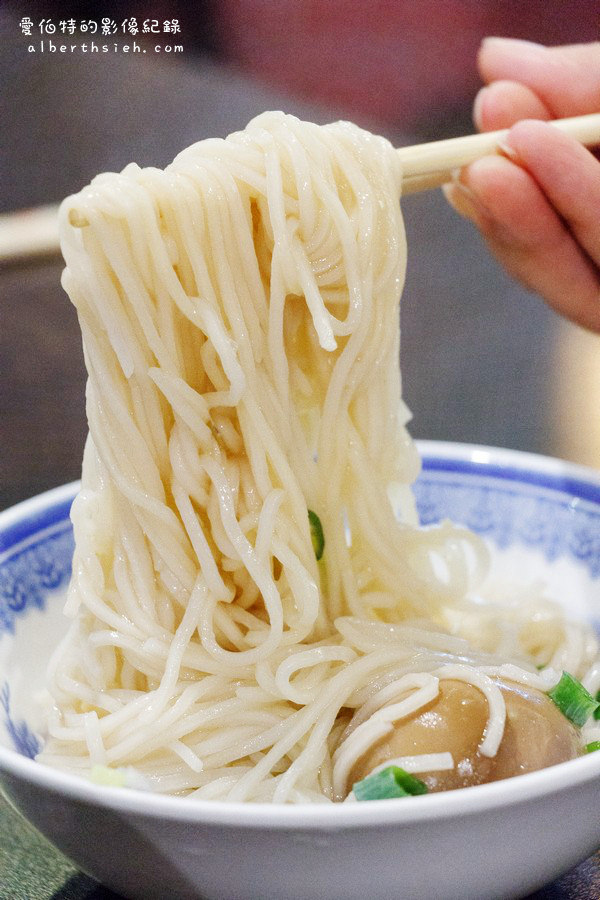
{"type": "Point", "coordinates": [35, 232]}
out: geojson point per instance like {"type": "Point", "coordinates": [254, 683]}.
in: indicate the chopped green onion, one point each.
{"type": "Point", "coordinates": [573, 700]}
{"type": "Point", "coordinates": [595, 745]}
{"type": "Point", "coordinates": [316, 533]}
{"type": "Point", "coordinates": [597, 712]}
{"type": "Point", "coordinates": [387, 784]}
{"type": "Point", "coordinates": [108, 777]}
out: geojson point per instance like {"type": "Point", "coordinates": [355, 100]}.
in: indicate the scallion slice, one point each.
{"type": "Point", "coordinates": [108, 777]}
{"type": "Point", "coordinates": [597, 712]}
{"type": "Point", "coordinates": [387, 784]}
{"type": "Point", "coordinates": [573, 700]}
{"type": "Point", "coordinates": [594, 745]}
{"type": "Point", "coordinates": [316, 533]}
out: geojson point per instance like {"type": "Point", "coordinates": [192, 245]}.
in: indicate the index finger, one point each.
{"type": "Point", "coordinates": [502, 103]}
{"type": "Point", "coordinates": [567, 173]}
{"type": "Point", "coordinates": [566, 79]}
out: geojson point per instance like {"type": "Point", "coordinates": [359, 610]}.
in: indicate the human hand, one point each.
{"type": "Point", "coordinates": [538, 207]}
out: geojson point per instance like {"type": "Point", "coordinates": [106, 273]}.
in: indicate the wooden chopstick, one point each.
{"type": "Point", "coordinates": [34, 232]}
{"type": "Point", "coordinates": [29, 233]}
{"type": "Point", "coordinates": [427, 166]}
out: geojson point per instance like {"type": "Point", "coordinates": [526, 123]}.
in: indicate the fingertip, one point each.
{"type": "Point", "coordinates": [477, 192]}
{"type": "Point", "coordinates": [464, 202]}
{"type": "Point", "coordinates": [532, 140]}
{"type": "Point", "coordinates": [501, 57]}
{"type": "Point", "coordinates": [528, 128]}
{"type": "Point", "coordinates": [488, 175]}
{"type": "Point", "coordinates": [503, 103]}
{"type": "Point", "coordinates": [497, 42]}
{"type": "Point", "coordinates": [511, 204]}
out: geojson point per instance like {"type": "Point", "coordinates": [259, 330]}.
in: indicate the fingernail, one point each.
{"type": "Point", "coordinates": [464, 201]}
{"type": "Point", "coordinates": [508, 151]}
{"type": "Point", "coordinates": [477, 108]}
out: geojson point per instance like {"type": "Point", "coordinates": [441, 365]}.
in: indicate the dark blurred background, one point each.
{"type": "Point", "coordinates": [483, 361]}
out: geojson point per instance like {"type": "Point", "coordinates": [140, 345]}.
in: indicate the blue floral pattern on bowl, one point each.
{"type": "Point", "coordinates": [24, 740]}
{"type": "Point", "coordinates": [33, 571]}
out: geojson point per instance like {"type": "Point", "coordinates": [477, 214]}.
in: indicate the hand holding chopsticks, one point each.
{"type": "Point", "coordinates": [430, 165]}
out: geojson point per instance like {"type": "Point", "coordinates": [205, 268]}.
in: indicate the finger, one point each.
{"type": "Point", "coordinates": [566, 79]}
{"type": "Point", "coordinates": [528, 237]}
{"type": "Point", "coordinates": [503, 103]}
{"type": "Point", "coordinates": [567, 173]}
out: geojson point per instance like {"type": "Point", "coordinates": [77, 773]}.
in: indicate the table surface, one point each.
{"type": "Point", "coordinates": [468, 372]}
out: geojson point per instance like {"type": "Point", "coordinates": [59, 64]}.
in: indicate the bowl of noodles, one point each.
{"type": "Point", "coordinates": [270, 647]}
{"type": "Point", "coordinates": [540, 519]}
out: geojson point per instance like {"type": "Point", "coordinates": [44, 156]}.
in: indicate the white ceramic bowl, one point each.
{"type": "Point", "coordinates": [500, 840]}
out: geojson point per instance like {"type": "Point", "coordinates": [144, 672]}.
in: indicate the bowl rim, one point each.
{"type": "Point", "coordinates": [506, 464]}
{"type": "Point", "coordinates": [498, 463]}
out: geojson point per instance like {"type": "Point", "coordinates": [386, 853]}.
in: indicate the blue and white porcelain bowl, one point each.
{"type": "Point", "coordinates": [501, 840]}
